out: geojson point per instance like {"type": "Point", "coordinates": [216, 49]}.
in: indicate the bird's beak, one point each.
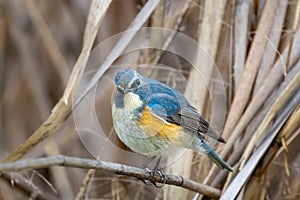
{"type": "Point", "coordinates": [123, 90]}
{"type": "Point", "coordinates": [120, 89]}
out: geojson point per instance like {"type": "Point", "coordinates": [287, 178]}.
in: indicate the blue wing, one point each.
{"type": "Point", "coordinates": [173, 107]}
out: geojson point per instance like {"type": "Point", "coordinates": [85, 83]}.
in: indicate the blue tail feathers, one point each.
{"type": "Point", "coordinates": [202, 147]}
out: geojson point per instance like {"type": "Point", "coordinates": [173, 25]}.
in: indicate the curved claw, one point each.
{"type": "Point", "coordinates": [152, 173]}
{"type": "Point", "coordinates": [147, 182]}
{"type": "Point", "coordinates": [163, 177]}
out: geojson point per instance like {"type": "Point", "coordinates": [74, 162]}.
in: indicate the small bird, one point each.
{"type": "Point", "coordinates": [154, 119]}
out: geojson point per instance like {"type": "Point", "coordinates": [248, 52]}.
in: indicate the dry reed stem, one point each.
{"type": "Point", "coordinates": [271, 81]}
{"type": "Point", "coordinates": [287, 88]}
{"type": "Point", "coordinates": [243, 176]}
{"type": "Point", "coordinates": [254, 140]}
{"type": "Point", "coordinates": [209, 35]}
{"type": "Point", "coordinates": [271, 50]}
{"type": "Point", "coordinates": [269, 84]}
{"type": "Point", "coordinates": [294, 29]}
{"type": "Point", "coordinates": [63, 108]}
{"type": "Point", "coordinates": [241, 34]}
{"type": "Point", "coordinates": [254, 58]}
{"type": "Point", "coordinates": [292, 124]}
{"type": "Point", "coordinates": [291, 138]}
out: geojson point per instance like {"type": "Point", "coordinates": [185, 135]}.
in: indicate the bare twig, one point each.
{"type": "Point", "coordinates": [84, 184]}
{"type": "Point", "coordinates": [22, 185]}
{"type": "Point", "coordinates": [111, 167]}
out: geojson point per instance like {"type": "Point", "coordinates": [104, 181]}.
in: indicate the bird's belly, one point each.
{"type": "Point", "coordinates": [133, 136]}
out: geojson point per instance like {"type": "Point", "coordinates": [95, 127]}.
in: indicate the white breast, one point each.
{"type": "Point", "coordinates": [125, 118]}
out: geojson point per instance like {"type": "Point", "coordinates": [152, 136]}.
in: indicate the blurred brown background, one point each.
{"type": "Point", "coordinates": [40, 42]}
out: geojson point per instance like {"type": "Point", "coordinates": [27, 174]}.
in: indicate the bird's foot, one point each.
{"type": "Point", "coordinates": [150, 180]}
{"type": "Point", "coordinates": [154, 171]}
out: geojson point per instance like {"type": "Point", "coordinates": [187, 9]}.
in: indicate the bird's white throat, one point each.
{"type": "Point", "coordinates": [132, 101]}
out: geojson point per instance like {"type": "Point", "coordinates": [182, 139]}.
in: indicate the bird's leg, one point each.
{"type": "Point", "coordinates": [156, 170]}
{"type": "Point", "coordinates": [157, 164]}
{"type": "Point", "coordinates": [153, 171]}
{"type": "Point", "coordinates": [144, 165]}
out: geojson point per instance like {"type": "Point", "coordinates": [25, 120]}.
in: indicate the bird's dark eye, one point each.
{"type": "Point", "coordinates": [137, 82]}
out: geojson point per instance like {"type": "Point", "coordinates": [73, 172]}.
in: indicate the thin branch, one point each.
{"type": "Point", "coordinates": [119, 169]}
{"type": "Point", "coordinates": [19, 183]}
{"type": "Point", "coordinates": [84, 184]}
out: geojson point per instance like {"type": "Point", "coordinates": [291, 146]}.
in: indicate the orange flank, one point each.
{"type": "Point", "coordinates": [155, 126]}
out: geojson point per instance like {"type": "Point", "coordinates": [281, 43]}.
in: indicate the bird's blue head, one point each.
{"type": "Point", "coordinates": [128, 80]}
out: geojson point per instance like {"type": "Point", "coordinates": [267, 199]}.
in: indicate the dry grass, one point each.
{"type": "Point", "coordinates": [253, 97]}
